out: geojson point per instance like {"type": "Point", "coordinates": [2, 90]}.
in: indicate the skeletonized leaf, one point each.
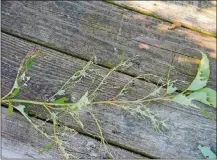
{"type": "Point", "coordinates": [60, 92]}
{"type": "Point", "coordinates": [171, 89]}
{"type": "Point", "coordinates": [61, 100]}
{"type": "Point", "coordinates": [211, 95]}
{"type": "Point", "coordinates": [156, 91]}
{"type": "Point", "coordinates": [10, 109]}
{"type": "Point", "coordinates": [21, 108]}
{"type": "Point", "coordinates": [16, 85]}
{"type": "Point", "coordinates": [83, 102]}
{"type": "Point", "coordinates": [199, 96]}
{"type": "Point", "coordinates": [54, 117]}
{"type": "Point", "coordinates": [23, 76]}
{"type": "Point", "coordinates": [202, 76]}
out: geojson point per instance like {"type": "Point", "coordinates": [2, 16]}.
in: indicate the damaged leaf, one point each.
{"type": "Point", "coordinates": [211, 95]}
{"type": "Point", "coordinates": [171, 89]}
{"type": "Point", "coordinates": [202, 76]}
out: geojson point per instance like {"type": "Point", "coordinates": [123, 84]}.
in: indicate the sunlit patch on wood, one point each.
{"type": "Point", "coordinates": [143, 46]}
{"type": "Point", "coordinates": [187, 60]}
{"type": "Point", "coordinates": [194, 17]}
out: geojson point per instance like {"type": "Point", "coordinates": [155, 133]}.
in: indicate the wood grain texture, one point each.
{"type": "Point", "coordinates": [86, 29]}
{"type": "Point", "coordinates": [196, 15]}
{"type": "Point", "coordinates": [21, 140]}
{"type": "Point", "coordinates": [187, 128]}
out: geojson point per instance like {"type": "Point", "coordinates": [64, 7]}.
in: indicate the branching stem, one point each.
{"type": "Point", "coordinates": [71, 104]}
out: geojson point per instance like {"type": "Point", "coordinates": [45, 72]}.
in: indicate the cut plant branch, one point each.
{"type": "Point", "coordinates": [58, 104]}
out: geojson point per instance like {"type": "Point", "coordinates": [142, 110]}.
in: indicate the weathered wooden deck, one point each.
{"type": "Point", "coordinates": [71, 33]}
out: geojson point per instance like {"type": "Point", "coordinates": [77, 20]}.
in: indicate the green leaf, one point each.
{"type": "Point", "coordinates": [30, 62]}
{"type": "Point", "coordinates": [183, 100]}
{"type": "Point", "coordinates": [206, 114]}
{"type": "Point", "coordinates": [122, 56]}
{"type": "Point", "coordinates": [211, 95]}
{"type": "Point", "coordinates": [74, 108]}
{"type": "Point", "coordinates": [61, 100]}
{"type": "Point", "coordinates": [10, 109]}
{"type": "Point", "coordinates": [207, 152]}
{"type": "Point", "coordinates": [171, 89]}
{"type": "Point", "coordinates": [199, 96]}
{"type": "Point", "coordinates": [47, 147]}
{"type": "Point", "coordinates": [15, 92]}
{"type": "Point", "coordinates": [202, 76]}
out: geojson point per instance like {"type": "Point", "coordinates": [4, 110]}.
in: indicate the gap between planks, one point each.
{"type": "Point", "coordinates": [152, 60]}
{"type": "Point", "coordinates": [76, 56]}
{"type": "Point", "coordinates": [16, 131]}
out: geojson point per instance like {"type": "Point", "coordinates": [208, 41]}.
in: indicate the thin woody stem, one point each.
{"type": "Point", "coordinates": [71, 104]}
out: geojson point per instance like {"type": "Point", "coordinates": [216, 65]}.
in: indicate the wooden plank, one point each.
{"type": "Point", "coordinates": [186, 126]}
{"type": "Point", "coordinates": [21, 140]}
{"type": "Point", "coordinates": [196, 15]}
{"type": "Point", "coordinates": [84, 30]}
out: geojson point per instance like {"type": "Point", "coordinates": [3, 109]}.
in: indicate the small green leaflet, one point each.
{"type": "Point", "coordinates": [47, 147]}
{"type": "Point", "coordinates": [74, 108]}
{"type": "Point", "coordinates": [211, 95]}
{"type": "Point", "coordinates": [206, 114]}
{"type": "Point", "coordinates": [202, 76]}
{"type": "Point", "coordinates": [10, 109]}
{"type": "Point", "coordinates": [207, 152]}
{"type": "Point", "coordinates": [30, 62]}
{"type": "Point", "coordinates": [61, 100]}
{"type": "Point", "coordinates": [171, 89]}
{"type": "Point", "coordinates": [121, 57]}
{"type": "Point", "coordinates": [15, 92]}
